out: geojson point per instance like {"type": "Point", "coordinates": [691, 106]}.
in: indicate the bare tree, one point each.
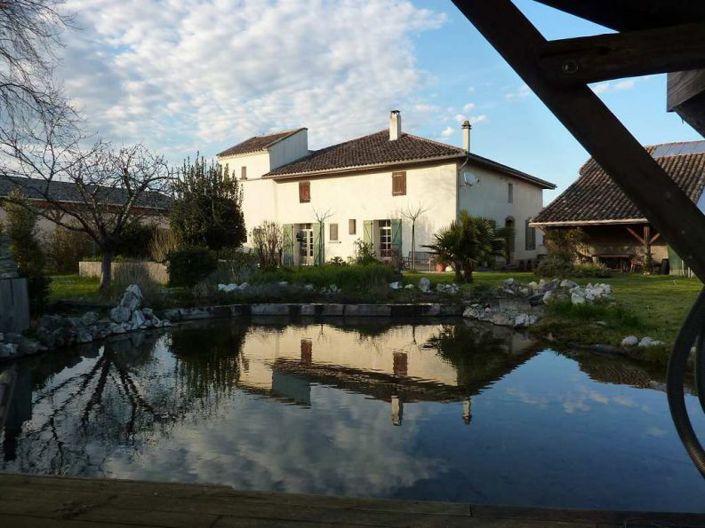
{"type": "Point", "coordinates": [321, 217]}
{"type": "Point", "coordinates": [29, 31]}
{"type": "Point", "coordinates": [111, 189]}
{"type": "Point", "coordinates": [413, 213]}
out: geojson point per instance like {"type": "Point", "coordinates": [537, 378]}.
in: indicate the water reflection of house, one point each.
{"type": "Point", "coordinates": [394, 366]}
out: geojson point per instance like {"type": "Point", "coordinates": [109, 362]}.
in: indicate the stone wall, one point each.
{"type": "Point", "coordinates": [14, 302]}
{"type": "Point", "coordinates": [157, 272]}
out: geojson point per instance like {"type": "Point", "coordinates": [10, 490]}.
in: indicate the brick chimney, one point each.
{"type": "Point", "coordinates": [467, 127]}
{"type": "Point", "coordinates": [394, 125]}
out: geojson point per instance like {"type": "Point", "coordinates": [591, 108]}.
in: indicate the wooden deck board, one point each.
{"type": "Point", "coordinates": [29, 501]}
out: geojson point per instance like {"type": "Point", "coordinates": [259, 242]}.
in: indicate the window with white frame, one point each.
{"type": "Point", "coordinates": [385, 238]}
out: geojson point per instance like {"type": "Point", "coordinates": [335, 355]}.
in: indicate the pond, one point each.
{"type": "Point", "coordinates": [442, 411]}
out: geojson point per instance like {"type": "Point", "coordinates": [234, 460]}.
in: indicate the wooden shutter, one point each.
{"type": "Point", "coordinates": [396, 236]}
{"type": "Point", "coordinates": [304, 191]}
{"type": "Point", "coordinates": [398, 183]}
{"type": "Point", "coordinates": [333, 232]}
{"type": "Point", "coordinates": [243, 173]}
{"type": "Point", "coordinates": [368, 231]}
{"type": "Point", "coordinates": [529, 237]}
{"type": "Point", "coordinates": [288, 244]}
{"type": "Point", "coordinates": [318, 242]}
{"type": "Point", "coordinates": [352, 226]}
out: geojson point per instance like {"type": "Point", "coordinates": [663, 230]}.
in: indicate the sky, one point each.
{"type": "Point", "coordinates": [188, 76]}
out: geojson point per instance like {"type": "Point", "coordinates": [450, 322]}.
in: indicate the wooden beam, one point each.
{"type": "Point", "coordinates": [686, 96]}
{"type": "Point", "coordinates": [627, 15]}
{"type": "Point", "coordinates": [618, 55]}
{"type": "Point", "coordinates": [654, 193]}
{"type": "Point", "coordinates": [655, 237]}
{"type": "Point", "coordinates": [635, 235]}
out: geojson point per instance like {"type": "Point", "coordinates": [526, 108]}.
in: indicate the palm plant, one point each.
{"type": "Point", "coordinates": [467, 242]}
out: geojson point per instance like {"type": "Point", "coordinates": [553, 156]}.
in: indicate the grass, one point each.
{"type": "Point", "coordinates": [489, 278]}
{"type": "Point", "coordinates": [653, 306]}
{"type": "Point", "coordinates": [73, 288]}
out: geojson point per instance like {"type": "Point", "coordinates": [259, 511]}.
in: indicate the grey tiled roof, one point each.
{"type": "Point", "coordinates": [257, 143]}
{"type": "Point", "coordinates": [374, 149]}
{"type": "Point", "coordinates": [377, 150]}
{"type": "Point", "coordinates": [36, 189]}
{"type": "Point", "coordinates": [595, 196]}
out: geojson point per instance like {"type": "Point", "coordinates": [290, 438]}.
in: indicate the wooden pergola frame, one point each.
{"type": "Point", "coordinates": [650, 41]}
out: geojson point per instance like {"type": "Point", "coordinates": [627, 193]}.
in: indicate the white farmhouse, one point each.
{"type": "Point", "coordinates": [363, 187]}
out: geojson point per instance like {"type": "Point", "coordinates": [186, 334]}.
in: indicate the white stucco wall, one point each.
{"type": "Point", "coordinates": [257, 164]}
{"type": "Point", "coordinates": [369, 196]}
{"type": "Point", "coordinates": [488, 197]}
{"type": "Point", "coordinates": [290, 149]}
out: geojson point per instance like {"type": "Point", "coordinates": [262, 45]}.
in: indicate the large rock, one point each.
{"type": "Point", "coordinates": [524, 320]}
{"type": "Point", "coordinates": [89, 318]}
{"type": "Point", "coordinates": [8, 350]}
{"type": "Point", "coordinates": [132, 298]}
{"type": "Point", "coordinates": [647, 342]}
{"type": "Point", "coordinates": [137, 320]}
{"type": "Point", "coordinates": [577, 297]}
{"type": "Point", "coordinates": [630, 341]}
{"type": "Point", "coordinates": [424, 284]}
{"type": "Point", "coordinates": [120, 314]}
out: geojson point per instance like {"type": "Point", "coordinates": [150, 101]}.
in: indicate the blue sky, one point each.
{"type": "Point", "coordinates": [184, 76]}
{"type": "Point", "coordinates": [521, 131]}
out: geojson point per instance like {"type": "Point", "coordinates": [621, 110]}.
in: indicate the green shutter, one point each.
{"type": "Point", "coordinates": [318, 241]}
{"type": "Point", "coordinates": [367, 231]}
{"type": "Point", "coordinates": [288, 239]}
{"type": "Point", "coordinates": [396, 237]}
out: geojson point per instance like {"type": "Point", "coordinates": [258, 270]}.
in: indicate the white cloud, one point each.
{"type": "Point", "coordinates": [474, 120]}
{"type": "Point", "coordinates": [447, 132]}
{"type": "Point", "coordinates": [182, 77]}
{"type": "Point", "coordinates": [520, 93]}
{"type": "Point", "coordinates": [604, 87]}
{"type": "Point", "coordinates": [469, 107]}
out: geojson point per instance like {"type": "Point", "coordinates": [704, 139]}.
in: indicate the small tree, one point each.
{"type": "Point", "coordinates": [268, 241]}
{"type": "Point", "coordinates": [466, 242]}
{"type": "Point", "coordinates": [207, 207]}
{"type": "Point", "coordinates": [21, 227]}
{"type": "Point", "coordinates": [321, 217]}
{"type": "Point", "coordinates": [413, 214]}
{"type": "Point", "coordinates": [564, 244]}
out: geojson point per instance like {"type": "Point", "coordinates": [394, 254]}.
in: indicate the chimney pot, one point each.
{"type": "Point", "coordinates": [394, 125]}
{"type": "Point", "coordinates": [467, 127]}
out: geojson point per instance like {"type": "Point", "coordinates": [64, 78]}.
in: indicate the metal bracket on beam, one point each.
{"type": "Point", "coordinates": [614, 56]}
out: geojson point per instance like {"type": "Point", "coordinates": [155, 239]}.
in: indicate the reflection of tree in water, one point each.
{"type": "Point", "coordinates": [121, 398]}
{"type": "Point", "coordinates": [208, 357]}
{"type": "Point", "coordinates": [480, 354]}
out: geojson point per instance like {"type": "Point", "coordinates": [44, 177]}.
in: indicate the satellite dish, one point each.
{"type": "Point", "coordinates": [470, 179]}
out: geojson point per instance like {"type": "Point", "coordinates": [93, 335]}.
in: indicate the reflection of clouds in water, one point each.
{"type": "Point", "coordinates": [656, 432]}
{"type": "Point", "coordinates": [260, 444]}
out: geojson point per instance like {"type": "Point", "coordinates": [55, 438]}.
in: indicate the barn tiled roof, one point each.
{"type": "Point", "coordinates": [258, 143]}
{"type": "Point", "coordinates": [594, 197]}
{"type": "Point", "coordinates": [36, 189]}
{"type": "Point", "coordinates": [372, 150]}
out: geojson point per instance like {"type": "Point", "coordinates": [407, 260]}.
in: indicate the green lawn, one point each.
{"type": "Point", "coordinates": [73, 288]}
{"type": "Point", "coordinates": [653, 305]}
{"type": "Point", "coordinates": [658, 303]}
{"type": "Point", "coordinates": [490, 278]}
{"type": "Point", "coordinates": [645, 305]}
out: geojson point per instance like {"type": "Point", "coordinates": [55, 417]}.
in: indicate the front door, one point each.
{"type": "Point", "coordinates": [305, 239]}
